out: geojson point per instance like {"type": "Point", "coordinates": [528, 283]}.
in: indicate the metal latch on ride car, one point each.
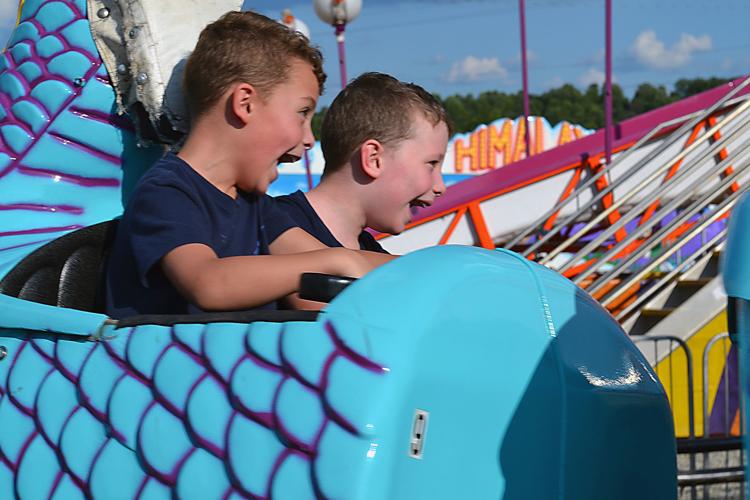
{"type": "Point", "coordinates": [418, 431]}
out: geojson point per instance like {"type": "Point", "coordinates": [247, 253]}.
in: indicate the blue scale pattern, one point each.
{"type": "Point", "coordinates": [60, 133]}
{"type": "Point", "coordinates": [152, 410]}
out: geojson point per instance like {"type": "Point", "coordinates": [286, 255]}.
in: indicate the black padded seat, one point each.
{"type": "Point", "coordinates": [67, 272]}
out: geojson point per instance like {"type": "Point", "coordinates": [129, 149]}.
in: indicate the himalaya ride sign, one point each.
{"type": "Point", "coordinates": [485, 148]}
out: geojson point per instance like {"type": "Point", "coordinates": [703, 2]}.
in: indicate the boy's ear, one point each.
{"type": "Point", "coordinates": [243, 99]}
{"type": "Point", "coordinates": [371, 158]}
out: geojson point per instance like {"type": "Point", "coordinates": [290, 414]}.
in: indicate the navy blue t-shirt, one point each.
{"type": "Point", "coordinates": [305, 216]}
{"type": "Point", "coordinates": [173, 205]}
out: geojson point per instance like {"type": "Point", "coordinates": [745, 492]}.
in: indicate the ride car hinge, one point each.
{"type": "Point", "coordinates": [99, 334]}
{"type": "Point", "coordinates": [418, 433]}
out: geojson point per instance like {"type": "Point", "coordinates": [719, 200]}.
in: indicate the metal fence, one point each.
{"type": "Point", "coordinates": [710, 462]}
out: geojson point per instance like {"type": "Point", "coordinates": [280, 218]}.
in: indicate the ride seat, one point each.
{"type": "Point", "coordinates": [67, 272]}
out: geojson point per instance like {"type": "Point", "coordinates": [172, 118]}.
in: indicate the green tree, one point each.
{"type": "Point", "coordinates": [458, 113]}
{"type": "Point", "coordinates": [563, 103]}
{"type": "Point", "coordinates": [686, 87]}
{"type": "Point", "coordinates": [648, 97]}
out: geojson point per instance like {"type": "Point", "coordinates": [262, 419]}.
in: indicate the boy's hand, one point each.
{"type": "Point", "coordinates": [360, 262]}
{"type": "Point", "coordinates": [345, 262]}
{"type": "Point", "coordinates": [242, 282]}
{"type": "Point", "coordinates": [350, 263]}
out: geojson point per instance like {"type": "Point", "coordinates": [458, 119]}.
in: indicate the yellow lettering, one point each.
{"type": "Point", "coordinates": [565, 135]}
{"type": "Point", "coordinates": [501, 142]}
{"type": "Point", "coordinates": [482, 133]}
{"type": "Point", "coordinates": [538, 135]}
{"type": "Point", "coordinates": [462, 152]}
{"type": "Point", "coordinates": [520, 140]}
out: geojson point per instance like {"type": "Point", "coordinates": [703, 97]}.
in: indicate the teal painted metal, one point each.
{"type": "Point", "coordinates": [736, 275]}
{"type": "Point", "coordinates": [22, 314]}
{"type": "Point", "coordinates": [532, 391]}
{"type": "Point", "coordinates": [66, 158]}
{"type": "Point", "coordinates": [736, 265]}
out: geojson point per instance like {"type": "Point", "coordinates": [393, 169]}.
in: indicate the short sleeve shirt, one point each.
{"type": "Point", "coordinates": [173, 205]}
{"type": "Point", "coordinates": [305, 216]}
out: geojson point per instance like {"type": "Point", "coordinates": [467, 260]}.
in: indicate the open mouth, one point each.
{"type": "Point", "coordinates": [288, 158]}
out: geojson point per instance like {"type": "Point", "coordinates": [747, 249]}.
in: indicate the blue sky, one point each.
{"type": "Point", "coordinates": [468, 46]}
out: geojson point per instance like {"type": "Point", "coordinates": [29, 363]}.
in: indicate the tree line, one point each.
{"type": "Point", "coordinates": [568, 103]}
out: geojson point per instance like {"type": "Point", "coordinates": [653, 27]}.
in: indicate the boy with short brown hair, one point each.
{"type": "Point", "coordinates": [384, 142]}
{"type": "Point", "coordinates": [199, 233]}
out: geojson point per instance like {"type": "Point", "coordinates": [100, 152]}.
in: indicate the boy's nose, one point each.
{"type": "Point", "coordinates": [308, 139]}
{"type": "Point", "coordinates": [438, 186]}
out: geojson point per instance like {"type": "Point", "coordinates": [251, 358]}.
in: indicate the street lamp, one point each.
{"type": "Point", "coordinates": [338, 13]}
{"type": "Point", "coordinates": [294, 24]}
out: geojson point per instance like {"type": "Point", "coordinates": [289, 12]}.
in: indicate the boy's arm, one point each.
{"type": "Point", "coordinates": [297, 240]}
{"type": "Point", "coordinates": [243, 282]}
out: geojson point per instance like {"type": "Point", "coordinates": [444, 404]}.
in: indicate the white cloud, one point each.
{"type": "Point", "coordinates": [475, 69]}
{"type": "Point", "coordinates": [727, 64]}
{"type": "Point", "coordinates": [651, 52]}
{"type": "Point", "coordinates": [593, 75]}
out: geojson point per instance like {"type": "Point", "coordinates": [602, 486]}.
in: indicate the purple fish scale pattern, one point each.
{"type": "Point", "coordinates": [59, 135]}
{"type": "Point", "coordinates": [219, 410]}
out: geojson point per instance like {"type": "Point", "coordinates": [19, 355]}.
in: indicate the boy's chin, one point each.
{"type": "Point", "coordinates": [273, 177]}
{"type": "Point", "coordinates": [391, 228]}
{"type": "Point", "coordinates": [258, 186]}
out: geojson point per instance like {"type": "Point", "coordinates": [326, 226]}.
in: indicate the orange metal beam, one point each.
{"type": "Point", "coordinates": [722, 155]}
{"type": "Point", "coordinates": [501, 192]}
{"type": "Point", "coordinates": [566, 192]}
{"type": "Point", "coordinates": [608, 200]}
{"type": "Point", "coordinates": [480, 226]}
{"type": "Point", "coordinates": [460, 210]}
{"type": "Point", "coordinates": [452, 227]}
{"type": "Point", "coordinates": [672, 171]}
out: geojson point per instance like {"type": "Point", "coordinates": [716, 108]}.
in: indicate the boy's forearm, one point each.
{"type": "Point", "coordinates": [294, 302]}
{"type": "Point", "coordinates": [377, 258]}
{"type": "Point", "coordinates": [244, 282]}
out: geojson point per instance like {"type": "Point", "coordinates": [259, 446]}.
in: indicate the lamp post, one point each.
{"type": "Point", "coordinates": [294, 24]}
{"type": "Point", "coordinates": [524, 70]}
{"type": "Point", "coordinates": [608, 136]}
{"type": "Point", "coordinates": [338, 13]}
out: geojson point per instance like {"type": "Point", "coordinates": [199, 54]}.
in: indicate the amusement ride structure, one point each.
{"type": "Point", "coordinates": [510, 381]}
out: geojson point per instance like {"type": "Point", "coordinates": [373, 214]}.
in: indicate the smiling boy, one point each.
{"type": "Point", "coordinates": [384, 142]}
{"type": "Point", "coordinates": [199, 234]}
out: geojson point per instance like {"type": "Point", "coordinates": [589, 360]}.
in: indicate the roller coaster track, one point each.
{"type": "Point", "coordinates": [622, 231]}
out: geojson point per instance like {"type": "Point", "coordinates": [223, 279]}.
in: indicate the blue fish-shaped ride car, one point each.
{"type": "Point", "coordinates": [451, 372]}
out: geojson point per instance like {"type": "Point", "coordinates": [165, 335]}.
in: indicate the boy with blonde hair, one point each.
{"type": "Point", "coordinates": [199, 232]}
{"type": "Point", "coordinates": [383, 141]}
